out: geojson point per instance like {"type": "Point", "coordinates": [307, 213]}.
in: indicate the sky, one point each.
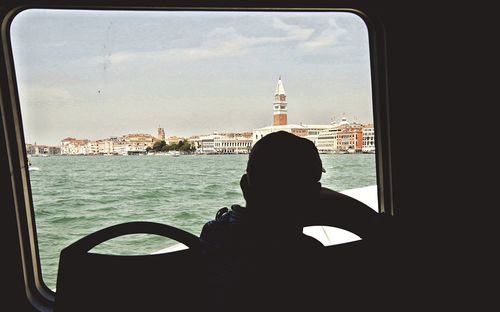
{"type": "Point", "coordinates": [97, 74]}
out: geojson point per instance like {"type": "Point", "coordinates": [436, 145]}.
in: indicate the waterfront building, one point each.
{"type": "Point", "coordinates": [313, 131]}
{"type": "Point", "coordinates": [105, 147]}
{"type": "Point", "coordinates": [72, 146]}
{"type": "Point", "coordinates": [233, 143]}
{"type": "Point", "coordinates": [52, 150]}
{"type": "Point", "coordinates": [327, 140]}
{"type": "Point", "coordinates": [350, 139]}
{"type": "Point", "coordinates": [224, 143]}
{"type": "Point", "coordinates": [368, 139]}
{"type": "Point", "coordinates": [138, 142]}
{"type": "Point", "coordinates": [326, 143]}
{"type": "Point", "coordinates": [67, 146]}
{"type": "Point", "coordinates": [298, 130]}
{"type": "Point", "coordinates": [195, 142]}
{"type": "Point", "coordinates": [207, 144]}
{"type": "Point", "coordinates": [135, 142]}
{"type": "Point", "coordinates": [128, 144]}
{"type": "Point", "coordinates": [42, 150]}
{"type": "Point", "coordinates": [120, 148]}
{"type": "Point", "coordinates": [343, 137]}
{"type": "Point", "coordinates": [280, 114]}
{"type": "Point", "coordinates": [173, 140]}
{"type": "Point", "coordinates": [30, 149]}
{"type": "Point", "coordinates": [100, 147]}
{"type": "Point", "coordinates": [82, 148]}
{"type": "Point", "coordinates": [93, 147]}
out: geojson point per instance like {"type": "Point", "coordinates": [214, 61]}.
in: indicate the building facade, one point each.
{"type": "Point", "coordinates": [207, 144]}
{"type": "Point", "coordinates": [173, 140]}
{"type": "Point", "coordinates": [326, 143]}
{"type": "Point", "coordinates": [298, 130]}
{"type": "Point", "coordinates": [137, 142]}
{"type": "Point", "coordinates": [42, 150]}
{"type": "Point", "coordinates": [341, 138]}
{"type": "Point", "coordinates": [225, 143]}
{"type": "Point", "coordinates": [233, 143]}
{"type": "Point", "coordinates": [73, 146]}
{"type": "Point", "coordinates": [368, 139]}
{"type": "Point", "coordinates": [349, 137]}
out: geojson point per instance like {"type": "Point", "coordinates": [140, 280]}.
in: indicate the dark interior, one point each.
{"type": "Point", "coordinates": [424, 86]}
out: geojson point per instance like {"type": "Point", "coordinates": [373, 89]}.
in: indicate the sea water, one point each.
{"type": "Point", "coordinates": [76, 195]}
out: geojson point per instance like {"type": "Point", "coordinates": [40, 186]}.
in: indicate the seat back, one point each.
{"type": "Point", "coordinates": [101, 282]}
{"type": "Point", "coordinates": [349, 275]}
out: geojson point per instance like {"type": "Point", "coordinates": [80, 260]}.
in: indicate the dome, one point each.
{"type": "Point", "coordinates": [344, 121]}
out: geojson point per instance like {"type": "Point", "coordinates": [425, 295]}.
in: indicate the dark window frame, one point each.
{"type": "Point", "coordinates": [40, 296]}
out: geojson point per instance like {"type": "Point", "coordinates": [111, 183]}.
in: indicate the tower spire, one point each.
{"type": "Point", "coordinates": [279, 87]}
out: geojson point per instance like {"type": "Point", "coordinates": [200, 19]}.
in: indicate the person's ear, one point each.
{"type": "Point", "coordinates": [245, 187]}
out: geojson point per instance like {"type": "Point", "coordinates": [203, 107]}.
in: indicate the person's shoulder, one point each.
{"type": "Point", "coordinates": [224, 231]}
{"type": "Point", "coordinates": [220, 216]}
{"type": "Point", "coordinates": [223, 218]}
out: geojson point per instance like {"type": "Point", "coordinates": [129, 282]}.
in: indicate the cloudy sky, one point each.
{"type": "Point", "coordinates": [91, 74]}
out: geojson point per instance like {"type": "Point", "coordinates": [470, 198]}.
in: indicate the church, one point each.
{"type": "Point", "coordinates": [280, 120]}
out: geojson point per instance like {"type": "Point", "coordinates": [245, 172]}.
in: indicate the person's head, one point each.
{"type": "Point", "coordinates": [283, 173]}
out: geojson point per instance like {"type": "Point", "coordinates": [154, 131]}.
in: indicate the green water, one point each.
{"type": "Point", "coordinates": [77, 195]}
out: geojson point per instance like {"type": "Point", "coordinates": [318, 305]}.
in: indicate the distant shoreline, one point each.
{"type": "Point", "coordinates": [167, 155]}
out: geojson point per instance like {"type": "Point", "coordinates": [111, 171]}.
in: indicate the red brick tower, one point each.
{"type": "Point", "coordinates": [280, 109]}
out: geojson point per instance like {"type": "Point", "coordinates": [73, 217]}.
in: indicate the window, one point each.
{"type": "Point", "coordinates": [99, 89]}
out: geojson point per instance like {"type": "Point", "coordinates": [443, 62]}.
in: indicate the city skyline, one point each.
{"type": "Point", "coordinates": [169, 136]}
{"type": "Point", "coordinates": [194, 72]}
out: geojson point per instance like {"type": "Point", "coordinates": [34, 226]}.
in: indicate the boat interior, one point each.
{"type": "Point", "coordinates": [416, 46]}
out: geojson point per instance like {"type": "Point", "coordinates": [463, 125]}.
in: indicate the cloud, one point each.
{"type": "Point", "coordinates": [220, 42]}
{"type": "Point", "coordinates": [294, 32]}
{"type": "Point", "coordinates": [328, 37]}
{"type": "Point", "coordinates": [39, 94]}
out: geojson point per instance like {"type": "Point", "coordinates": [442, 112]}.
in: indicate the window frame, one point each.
{"type": "Point", "coordinates": [39, 295]}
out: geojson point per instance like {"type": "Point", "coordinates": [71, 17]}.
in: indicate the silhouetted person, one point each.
{"type": "Point", "coordinates": [258, 255]}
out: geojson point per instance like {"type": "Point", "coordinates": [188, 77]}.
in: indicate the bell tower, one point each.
{"type": "Point", "coordinates": [280, 109]}
{"type": "Point", "coordinates": [161, 133]}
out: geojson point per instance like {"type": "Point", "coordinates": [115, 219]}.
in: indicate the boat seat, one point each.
{"type": "Point", "coordinates": [343, 276]}
{"type": "Point", "coordinates": [101, 282]}
{"type": "Point", "coordinates": [349, 275]}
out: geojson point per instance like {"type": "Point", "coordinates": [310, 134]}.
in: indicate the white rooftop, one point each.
{"type": "Point", "coordinates": [281, 127]}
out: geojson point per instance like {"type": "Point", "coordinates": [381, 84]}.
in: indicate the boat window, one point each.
{"type": "Point", "coordinates": [125, 113]}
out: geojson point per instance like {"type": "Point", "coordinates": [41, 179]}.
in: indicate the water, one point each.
{"type": "Point", "coordinates": [76, 195]}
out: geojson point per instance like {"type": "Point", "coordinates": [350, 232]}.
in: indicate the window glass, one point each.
{"type": "Point", "coordinates": [125, 113]}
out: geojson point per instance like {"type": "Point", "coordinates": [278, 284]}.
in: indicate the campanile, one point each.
{"type": "Point", "coordinates": [280, 109]}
